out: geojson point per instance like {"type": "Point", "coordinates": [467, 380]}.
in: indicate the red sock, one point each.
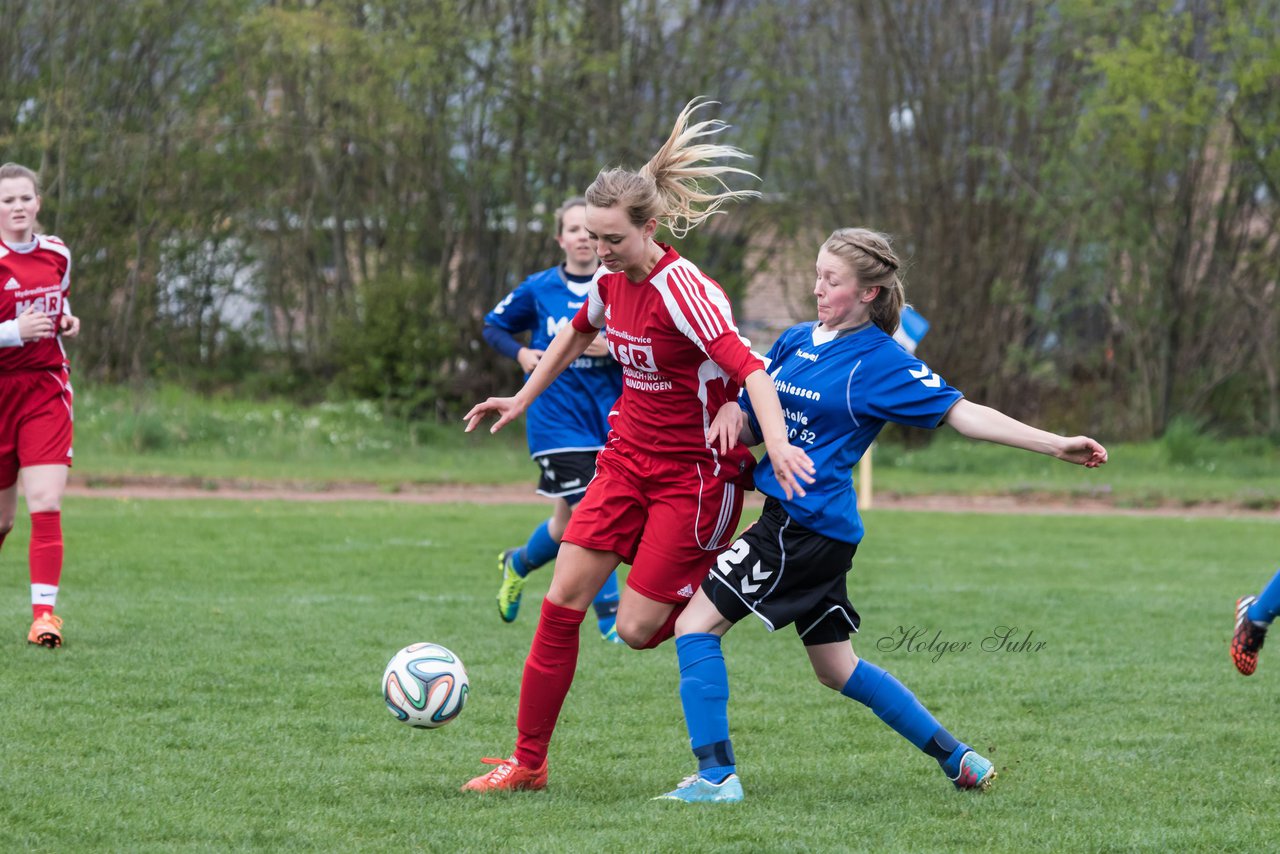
{"type": "Point", "coordinates": [45, 555]}
{"type": "Point", "coordinates": [548, 673]}
{"type": "Point", "coordinates": [667, 629]}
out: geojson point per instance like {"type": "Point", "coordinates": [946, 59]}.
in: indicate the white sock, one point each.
{"type": "Point", "coordinates": [44, 594]}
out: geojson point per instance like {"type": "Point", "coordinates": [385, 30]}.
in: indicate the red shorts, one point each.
{"type": "Point", "coordinates": [667, 518]}
{"type": "Point", "coordinates": [35, 421]}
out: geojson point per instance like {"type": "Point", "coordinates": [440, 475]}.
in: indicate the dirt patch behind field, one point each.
{"type": "Point", "coordinates": [162, 488]}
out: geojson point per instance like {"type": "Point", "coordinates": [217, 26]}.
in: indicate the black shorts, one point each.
{"type": "Point", "coordinates": [566, 474]}
{"type": "Point", "coordinates": [784, 573]}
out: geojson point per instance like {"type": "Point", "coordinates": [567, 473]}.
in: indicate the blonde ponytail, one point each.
{"type": "Point", "coordinates": [669, 188]}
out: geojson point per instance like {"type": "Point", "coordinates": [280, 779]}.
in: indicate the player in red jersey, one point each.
{"type": "Point", "coordinates": [35, 388]}
{"type": "Point", "coordinates": [664, 499]}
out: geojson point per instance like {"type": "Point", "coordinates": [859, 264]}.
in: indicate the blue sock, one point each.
{"type": "Point", "coordinates": [1268, 604]}
{"type": "Point", "coordinates": [533, 554]}
{"type": "Point", "coordinates": [894, 704]}
{"type": "Point", "coordinates": [951, 765]}
{"type": "Point", "coordinates": [606, 603]}
{"type": "Point", "coordinates": [704, 694]}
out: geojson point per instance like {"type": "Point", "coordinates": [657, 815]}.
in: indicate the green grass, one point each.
{"type": "Point", "coordinates": [1244, 472]}
{"type": "Point", "coordinates": [219, 691]}
{"type": "Point", "coordinates": [169, 432]}
{"type": "Point", "coordinates": [172, 433]}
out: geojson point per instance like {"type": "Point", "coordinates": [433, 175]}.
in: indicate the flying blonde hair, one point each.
{"type": "Point", "coordinates": [670, 187]}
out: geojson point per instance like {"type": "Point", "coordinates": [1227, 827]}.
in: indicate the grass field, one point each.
{"type": "Point", "coordinates": [219, 691]}
{"type": "Point", "coordinates": [169, 432]}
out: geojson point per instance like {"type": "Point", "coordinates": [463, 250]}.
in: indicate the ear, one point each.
{"type": "Point", "coordinates": [650, 229]}
{"type": "Point", "coordinates": [870, 294]}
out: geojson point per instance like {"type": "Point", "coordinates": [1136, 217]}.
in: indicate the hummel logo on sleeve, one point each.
{"type": "Point", "coordinates": [933, 381]}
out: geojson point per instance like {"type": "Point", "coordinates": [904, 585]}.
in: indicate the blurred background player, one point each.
{"type": "Point", "coordinates": [35, 388]}
{"type": "Point", "coordinates": [1253, 615]}
{"type": "Point", "coordinates": [567, 425]}
{"type": "Point", "coordinates": [663, 499]}
{"type": "Point", "coordinates": [840, 379]}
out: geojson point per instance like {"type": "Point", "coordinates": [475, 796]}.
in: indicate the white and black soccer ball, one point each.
{"type": "Point", "coordinates": [425, 685]}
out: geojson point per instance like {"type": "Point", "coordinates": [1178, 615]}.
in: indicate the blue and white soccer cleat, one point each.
{"type": "Point", "coordinates": [976, 772]}
{"type": "Point", "coordinates": [610, 634]}
{"type": "Point", "coordinates": [696, 790]}
{"type": "Point", "coordinates": [512, 587]}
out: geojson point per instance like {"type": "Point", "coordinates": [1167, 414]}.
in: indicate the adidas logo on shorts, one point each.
{"type": "Point", "coordinates": [686, 591]}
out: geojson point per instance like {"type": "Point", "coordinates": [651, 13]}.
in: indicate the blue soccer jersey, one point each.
{"type": "Point", "coordinates": [836, 396]}
{"type": "Point", "coordinates": [573, 413]}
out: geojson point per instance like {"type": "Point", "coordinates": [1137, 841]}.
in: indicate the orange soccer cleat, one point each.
{"type": "Point", "coordinates": [1247, 638]}
{"type": "Point", "coordinates": [46, 630]}
{"type": "Point", "coordinates": [509, 776]}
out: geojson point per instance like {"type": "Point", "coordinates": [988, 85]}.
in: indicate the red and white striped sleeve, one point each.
{"type": "Point", "coordinates": [56, 246]}
{"type": "Point", "coordinates": [701, 311]}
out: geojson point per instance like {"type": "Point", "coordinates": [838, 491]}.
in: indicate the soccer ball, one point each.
{"type": "Point", "coordinates": [425, 685]}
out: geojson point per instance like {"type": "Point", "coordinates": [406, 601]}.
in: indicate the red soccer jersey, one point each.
{"type": "Point", "coordinates": [37, 275]}
{"type": "Point", "coordinates": [681, 356]}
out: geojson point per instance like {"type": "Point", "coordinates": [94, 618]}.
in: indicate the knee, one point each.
{"type": "Point", "coordinates": [44, 486]}
{"type": "Point", "coordinates": [834, 671]}
{"type": "Point", "coordinates": [44, 501]}
{"type": "Point", "coordinates": [832, 680]}
{"type": "Point", "coordinates": [634, 633]}
{"type": "Point", "coordinates": [686, 625]}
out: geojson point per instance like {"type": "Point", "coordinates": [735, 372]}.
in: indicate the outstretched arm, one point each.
{"type": "Point", "coordinates": [790, 464]}
{"type": "Point", "coordinates": [990, 425]}
{"type": "Point", "coordinates": [568, 345]}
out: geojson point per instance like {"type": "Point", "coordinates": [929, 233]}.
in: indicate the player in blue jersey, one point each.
{"type": "Point", "coordinates": [1254, 615]}
{"type": "Point", "coordinates": [839, 379]}
{"type": "Point", "coordinates": [567, 425]}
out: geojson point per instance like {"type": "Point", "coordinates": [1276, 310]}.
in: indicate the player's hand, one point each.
{"type": "Point", "coordinates": [597, 348]}
{"type": "Point", "coordinates": [726, 426]}
{"type": "Point", "coordinates": [34, 325]}
{"type": "Point", "coordinates": [529, 359]}
{"type": "Point", "coordinates": [1082, 451]}
{"type": "Point", "coordinates": [506, 408]}
{"type": "Point", "coordinates": [70, 326]}
{"type": "Point", "coordinates": [792, 466]}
